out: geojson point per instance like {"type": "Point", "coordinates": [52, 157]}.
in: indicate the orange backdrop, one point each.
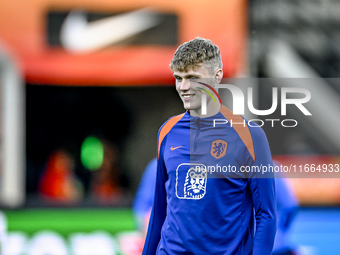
{"type": "Point", "coordinates": [23, 28]}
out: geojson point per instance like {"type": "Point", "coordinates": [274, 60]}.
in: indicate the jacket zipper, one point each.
{"type": "Point", "coordinates": [197, 133]}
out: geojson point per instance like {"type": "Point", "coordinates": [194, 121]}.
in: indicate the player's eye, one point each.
{"type": "Point", "coordinates": [178, 79]}
{"type": "Point", "coordinates": [193, 78]}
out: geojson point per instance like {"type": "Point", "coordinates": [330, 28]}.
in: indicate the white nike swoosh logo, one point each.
{"type": "Point", "coordinates": [79, 36]}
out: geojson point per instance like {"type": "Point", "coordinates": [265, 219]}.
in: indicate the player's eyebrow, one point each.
{"type": "Point", "coordinates": [188, 76]}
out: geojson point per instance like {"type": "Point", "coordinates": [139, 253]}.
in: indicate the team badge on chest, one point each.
{"type": "Point", "coordinates": [218, 148]}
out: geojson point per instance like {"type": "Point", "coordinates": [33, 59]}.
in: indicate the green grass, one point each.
{"type": "Point", "coordinates": [66, 221]}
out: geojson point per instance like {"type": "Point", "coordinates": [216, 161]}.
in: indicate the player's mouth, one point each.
{"type": "Point", "coordinates": [187, 97]}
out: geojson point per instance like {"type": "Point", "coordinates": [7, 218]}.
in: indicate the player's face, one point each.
{"type": "Point", "coordinates": [186, 87]}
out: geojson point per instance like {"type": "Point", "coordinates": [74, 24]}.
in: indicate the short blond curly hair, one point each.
{"type": "Point", "coordinates": [195, 53]}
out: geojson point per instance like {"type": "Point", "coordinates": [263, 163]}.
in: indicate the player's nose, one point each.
{"type": "Point", "coordinates": [185, 85]}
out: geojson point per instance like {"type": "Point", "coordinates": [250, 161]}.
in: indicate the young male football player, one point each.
{"type": "Point", "coordinates": [206, 201]}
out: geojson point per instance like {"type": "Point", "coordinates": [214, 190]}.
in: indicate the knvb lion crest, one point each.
{"type": "Point", "coordinates": [218, 148]}
{"type": "Point", "coordinates": [195, 183]}
{"type": "Point", "coordinates": [191, 181]}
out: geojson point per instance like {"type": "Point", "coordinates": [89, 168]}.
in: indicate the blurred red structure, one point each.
{"type": "Point", "coordinates": [58, 181]}
{"type": "Point", "coordinates": [108, 182]}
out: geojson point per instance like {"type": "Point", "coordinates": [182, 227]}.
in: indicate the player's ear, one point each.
{"type": "Point", "coordinates": [218, 76]}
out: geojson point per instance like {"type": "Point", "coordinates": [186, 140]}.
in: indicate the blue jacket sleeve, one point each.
{"type": "Point", "coordinates": [158, 212]}
{"type": "Point", "coordinates": [262, 188]}
{"type": "Point", "coordinates": [142, 203]}
{"type": "Point", "coordinates": [287, 207]}
{"type": "Point", "coordinates": [287, 203]}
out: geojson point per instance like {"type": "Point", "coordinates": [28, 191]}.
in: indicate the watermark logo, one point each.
{"type": "Point", "coordinates": [204, 97]}
{"type": "Point", "coordinates": [239, 100]}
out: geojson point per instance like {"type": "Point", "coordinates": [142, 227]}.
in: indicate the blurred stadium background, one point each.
{"type": "Point", "coordinates": [85, 85]}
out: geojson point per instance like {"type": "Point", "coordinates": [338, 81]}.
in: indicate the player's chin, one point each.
{"type": "Point", "coordinates": [191, 106]}
{"type": "Point", "coordinates": [186, 105]}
